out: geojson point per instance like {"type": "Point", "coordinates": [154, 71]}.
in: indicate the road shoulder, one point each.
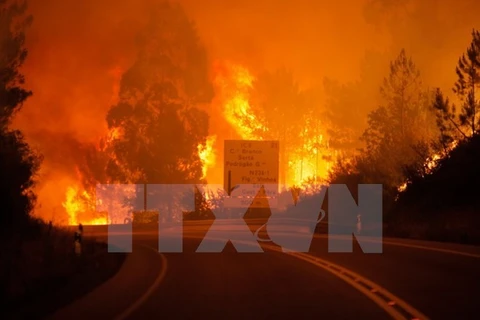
{"type": "Point", "coordinates": [113, 297]}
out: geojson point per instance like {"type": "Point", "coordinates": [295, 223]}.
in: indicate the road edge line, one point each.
{"type": "Point", "coordinates": [342, 270]}
{"type": "Point", "coordinates": [414, 246]}
{"type": "Point", "coordinates": [393, 313]}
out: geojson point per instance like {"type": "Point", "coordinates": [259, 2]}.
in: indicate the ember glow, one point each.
{"type": "Point", "coordinates": [109, 206]}
{"type": "Point", "coordinates": [207, 154]}
{"type": "Point", "coordinates": [310, 163]}
{"type": "Point", "coordinates": [431, 163]}
{"type": "Point", "coordinates": [80, 203]}
{"type": "Point", "coordinates": [233, 83]}
{"type": "Point", "coordinates": [80, 206]}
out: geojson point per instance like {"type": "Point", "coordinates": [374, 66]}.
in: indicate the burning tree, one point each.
{"type": "Point", "coordinates": [158, 133]}
{"type": "Point", "coordinates": [292, 116]}
{"type": "Point", "coordinates": [234, 84]}
{"type": "Point", "coordinates": [277, 101]}
{"type": "Point", "coordinates": [157, 114]}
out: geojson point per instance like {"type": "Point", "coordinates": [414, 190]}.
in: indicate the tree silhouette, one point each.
{"type": "Point", "coordinates": [18, 163]}
{"type": "Point", "coordinates": [448, 191]}
{"type": "Point", "coordinates": [158, 115]}
{"type": "Point", "coordinates": [465, 123]}
{"type": "Point", "coordinates": [405, 121]}
{"type": "Point", "coordinates": [13, 55]}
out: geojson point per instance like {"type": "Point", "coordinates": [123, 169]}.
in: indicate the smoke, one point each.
{"type": "Point", "coordinates": [78, 49]}
{"type": "Point", "coordinates": [435, 33]}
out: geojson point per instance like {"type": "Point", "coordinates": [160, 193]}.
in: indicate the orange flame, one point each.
{"type": "Point", "coordinates": [207, 154]}
{"type": "Point", "coordinates": [234, 86]}
{"type": "Point", "coordinates": [431, 163]}
{"type": "Point", "coordinates": [305, 162]}
{"type": "Point", "coordinates": [79, 203]}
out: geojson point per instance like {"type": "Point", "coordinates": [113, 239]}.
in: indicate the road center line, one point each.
{"type": "Point", "coordinates": [125, 314]}
{"type": "Point", "coordinates": [394, 306]}
{"type": "Point", "coordinates": [382, 297]}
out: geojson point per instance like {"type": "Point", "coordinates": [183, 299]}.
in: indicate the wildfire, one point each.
{"type": "Point", "coordinates": [305, 161]}
{"type": "Point", "coordinates": [79, 203]}
{"type": "Point", "coordinates": [432, 162]}
{"type": "Point", "coordinates": [308, 164]}
{"type": "Point", "coordinates": [207, 154]}
{"type": "Point", "coordinates": [113, 134]}
{"type": "Point", "coordinates": [71, 206]}
{"type": "Point", "coordinates": [234, 85]}
{"type": "Point", "coordinates": [107, 206]}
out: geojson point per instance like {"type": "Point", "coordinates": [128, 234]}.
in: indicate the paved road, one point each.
{"type": "Point", "coordinates": [410, 279]}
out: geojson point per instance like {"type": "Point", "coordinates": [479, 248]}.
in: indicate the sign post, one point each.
{"type": "Point", "coordinates": [250, 162]}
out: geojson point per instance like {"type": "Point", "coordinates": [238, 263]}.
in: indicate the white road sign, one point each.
{"type": "Point", "coordinates": [248, 162]}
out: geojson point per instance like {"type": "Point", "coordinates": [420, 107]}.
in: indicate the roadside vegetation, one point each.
{"type": "Point", "coordinates": [424, 148]}
{"type": "Point", "coordinates": [37, 259]}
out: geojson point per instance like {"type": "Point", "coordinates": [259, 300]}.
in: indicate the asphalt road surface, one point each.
{"type": "Point", "coordinates": [408, 280]}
